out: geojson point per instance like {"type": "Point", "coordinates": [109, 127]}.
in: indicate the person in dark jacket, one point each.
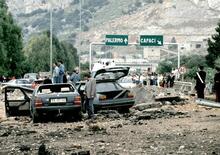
{"type": "Point", "coordinates": [47, 80]}
{"type": "Point", "coordinates": [172, 80]}
{"type": "Point", "coordinates": [217, 84]}
{"type": "Point", "coordinates": [90, 93]}
{"type": "Point", "coordinates": [200, 82]}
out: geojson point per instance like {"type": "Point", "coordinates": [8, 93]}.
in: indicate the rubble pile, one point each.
{"type": "Point", "coordinates": [147, 111]}
{"type": "Point", "coordinates": [148, 94]}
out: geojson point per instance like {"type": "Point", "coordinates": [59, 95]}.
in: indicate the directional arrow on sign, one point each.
{"type": "Point", "coordinates": [125, 40]}
{"type": "Point", "coordinates": [159, 42]}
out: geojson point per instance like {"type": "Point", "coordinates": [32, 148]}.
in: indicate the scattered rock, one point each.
{"type": "Point", "coordinates": [168, 102]}
{"type": "Point", "coordinates": [25, 132]}
{"type": "Point", "coordinates": [78, 128]}
{"type": "Point", "coordinates": [109, 114]}
{"type": "Point", "coordinates": [84, 153]}
{"type": "Point", "coordinates": [43, 151]}
{"type": "Point", "coordinates": [25, 148]}
{"type": "Point", "coordinates": [211, 115]}
{"type": "Point", "coordinates": [116, 126]}
{"type": "Point", "coordinates": [6, 133]}
{"type": "Point", "coordinates": [76, 146]}
{"type": "Point", "coordinates": [96, 128]}
{"type": "Point", "coordinates": [56, 134]}
{"type": "Point", "coordinates": [144, 106]}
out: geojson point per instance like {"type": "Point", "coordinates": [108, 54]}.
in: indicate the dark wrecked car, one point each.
{"type": "Point", "coordinates": [55, 99]}
{"type": "Point", "coordinates": [110, 94]}
{"type": "Point", "coordinates": [45, 100]}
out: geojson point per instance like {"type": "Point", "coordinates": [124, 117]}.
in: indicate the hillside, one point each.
{"type": "Point", "coordinates": [183, 19]}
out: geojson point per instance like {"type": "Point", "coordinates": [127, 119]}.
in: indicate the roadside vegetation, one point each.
{"type": "Point", "coordinates": [210, 61]}
{"type": "Point", "coordinates": [17, 58]}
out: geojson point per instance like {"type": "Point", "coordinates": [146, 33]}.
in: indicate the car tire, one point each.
{"type": "Point", "coordinates": [124, 110]}
{"type": "Point", "coordinates": [78, 116]}
{"type": "Point", "coordinates": [35, 117]}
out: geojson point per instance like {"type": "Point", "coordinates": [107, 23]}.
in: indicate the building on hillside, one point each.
{"type": "Point", "coordinates": [152, 53]}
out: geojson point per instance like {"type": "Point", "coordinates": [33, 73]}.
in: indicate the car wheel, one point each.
{"type": "Point", "coordinates": [124, 110]}
{"type": "Point", "coordinates": [35, 117]}
{"type": "Point", "coordinates": [78, 116]}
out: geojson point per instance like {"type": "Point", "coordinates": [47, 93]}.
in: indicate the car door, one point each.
{"type": "Point", "coordinates": [17, 100]}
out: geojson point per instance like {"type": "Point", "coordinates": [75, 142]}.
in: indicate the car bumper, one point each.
{"type": "Point", "coordinates": [114, 104]}
{"type": "Point", "coordinates": [58, 108]}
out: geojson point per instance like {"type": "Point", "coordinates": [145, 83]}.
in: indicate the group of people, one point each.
{"type": "Point", "coordinates": [58, 72]}
{"type": "Point", "coordinates": [168, 80]}
{"type": "Point", "coordinates": [200, 78]}
{"type": "Point", "coordinates": [62, 76]}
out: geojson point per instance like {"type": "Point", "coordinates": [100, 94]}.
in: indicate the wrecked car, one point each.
{"type": "Point", "coordinates": [55, 99]}
{"type": "Point", "coordinates": [44, 100]}
{"type": "Point", "coordinates": [110, 94]}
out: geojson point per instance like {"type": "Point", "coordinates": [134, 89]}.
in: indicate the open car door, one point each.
{"type": "Point", "coordinates": [111, 73]}
{"type": "Point", "coordinates": [17, 100]}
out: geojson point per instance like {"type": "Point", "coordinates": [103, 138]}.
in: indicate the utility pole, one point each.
{"type": "Point", "coordinates": [51, 40]}
{"type": "Point", "coordinates": [80, 21]}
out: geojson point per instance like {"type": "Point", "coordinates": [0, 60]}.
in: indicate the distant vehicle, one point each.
{"type": "Point", "coordinates": [110, 95]}
{"type": "Point", "coordinates": [36, 83]}
{"type": "Point", "coordinates": [16, 82]}
{"type": "Point", "coordinates": [50, 99]}
{"type": "Point", "coordinates": [44, 74]}
{"type": "Point", "coordinates": [127, 82]}
{"type": "Point", "coordinates": [31, 76]}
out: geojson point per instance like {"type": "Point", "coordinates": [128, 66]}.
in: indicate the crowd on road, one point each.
{"type": "Point", "coordinates": [163, 80]}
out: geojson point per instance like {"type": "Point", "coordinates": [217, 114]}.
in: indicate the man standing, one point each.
{"type": "Point", "coordinates": [172, 80]}
{"type": "Point", "coordinates": [55, 73]}
{"type": "Point", "coordinates": [61, 71]}
{"type": "Point", "coordinates": [217, 84]}
{"type": "Point", "coordinates": [200, 82]}
{"type": "Point", "coordinates": [75, 77]}
{"type": "Point", "coordinates": [90, 93]}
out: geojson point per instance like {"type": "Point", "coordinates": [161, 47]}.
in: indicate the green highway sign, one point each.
{"type": "Point", "coordinates": [151, 40]}
{"type": "Point", "coordinates": [116, 40]}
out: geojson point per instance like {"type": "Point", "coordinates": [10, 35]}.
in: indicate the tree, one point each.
{"type": "Point", "coordinates": [11, 45]}
{"type": "Point", "coordinates": [72, 59]}
{"type": "Point", "coordinates": [37, 52]}
{"type": "Point", "coordinates": [191, 63]}
{"type": "Point", "coordinates": [213, 48]}
{"type": "Point", "coordinates": [165, 67]}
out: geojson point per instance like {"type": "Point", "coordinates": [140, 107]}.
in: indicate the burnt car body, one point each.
{"type": "Point", "coordinates": [50, 99]}
{"type": "Point", "coordinates": [110, 94]}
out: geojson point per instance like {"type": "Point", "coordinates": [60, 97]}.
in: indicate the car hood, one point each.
{"type": "Point", "coordinates": [111, 73]}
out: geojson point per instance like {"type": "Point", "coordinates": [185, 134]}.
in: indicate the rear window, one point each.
{"type": "Point", "coordinates": [47, 89]}
{"type": "Point", "coordinates": [106, 87]}
{"type": "Point", "coordinates": [109, 76]}
{"type": "Point", "coordinates": [125, 80]}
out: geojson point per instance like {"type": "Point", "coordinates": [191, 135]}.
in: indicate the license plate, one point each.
{"type": "Point", "coordinates": [58, 100]}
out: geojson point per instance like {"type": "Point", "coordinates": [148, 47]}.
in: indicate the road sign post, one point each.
{"type": "Point", "coordinates": [151, 40]}
{"type": "Point", "coordinates": [116, 40]}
